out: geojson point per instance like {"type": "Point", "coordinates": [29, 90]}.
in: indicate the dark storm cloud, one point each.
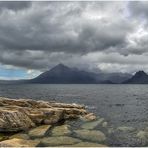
{"type": "Point", "coordinates": [38, 35]}
{"type": "Point", "coordinates": [14, 5]}
{"type": "Point", "coordinates": [64, 29]}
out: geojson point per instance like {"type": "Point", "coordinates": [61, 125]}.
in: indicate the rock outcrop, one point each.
{"type": "Point", "coordinates": [21, 114]}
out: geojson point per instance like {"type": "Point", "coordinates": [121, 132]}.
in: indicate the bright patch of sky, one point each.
{"type": "Point", "coordinates": [13, 73]}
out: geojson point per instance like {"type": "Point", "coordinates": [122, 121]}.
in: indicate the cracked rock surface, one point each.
{"type": "Point", "coordinates": [22, 114]}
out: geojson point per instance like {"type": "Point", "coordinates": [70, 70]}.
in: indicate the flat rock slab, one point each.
{"type": "Point", "coordinates": [39, 131]}
{"type": "Point", "coordinates": [57, 141]}
{"type": "Point", "coordinates": [19, 143]}
{"type": "Point", "coordinates": [88, 144]}
{"type": "Point", "coordinates": [92, 124]}
{"type": "Point", "coordinates": [61, 130]}
{"type": "Point", "coordinates": [91, 135]}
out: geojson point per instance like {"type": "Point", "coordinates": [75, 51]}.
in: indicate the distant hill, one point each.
{"type": "Point", "coordinates": [113, 77]}
{"type": "Point", "coordinates": [139, 78]}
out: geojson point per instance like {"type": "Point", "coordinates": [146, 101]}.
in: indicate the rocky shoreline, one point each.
{"type": "Point", "coordinates": [39, 123]}
{"type": "Point", "coordinates": [21, 114]}
{"type": "Point", "coordinates": [30, 123]}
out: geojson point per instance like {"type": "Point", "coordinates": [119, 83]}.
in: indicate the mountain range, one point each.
{"type": "Point", "coordinates": [61, 74]}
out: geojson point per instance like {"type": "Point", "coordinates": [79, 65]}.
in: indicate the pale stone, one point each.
{"type": "Point", "coordinates": [63, 105]}
{"type": "Point", "coordinates": [104, 124]}
{"type": "Point", "coordinates": [39, 131]}
{"type": "Point", "coordinates": [61, 130]}
{"type": "Point", "coordinates": [20, 136]}
{"type": "Point", "coordinates": [57, 141]}
{"type": "Point", "coordinates": [141, 134]}
{"type": "Point", "coordinates": [125, 128]}
{"type": "Point", "coordinates": [89, 117]}
{"type": "Point", "coordinates": [92, 125]}
{"type": "Point", "coordinates": [143, 137]}
{"type": "Point", "coordinates": [91, 135]}
{"type": "Point", "coordinates": [88, 144]}
{"type": "Point", "coordinates": [110, 130]}
{"type": "Point", "coordinates": [15, 142]}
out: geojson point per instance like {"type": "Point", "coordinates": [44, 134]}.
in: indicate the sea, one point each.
{"type": "Point", "coordinates": [120, 105]}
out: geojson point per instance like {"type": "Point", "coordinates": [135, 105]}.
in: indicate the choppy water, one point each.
{"type": "Point", "coordinates": [120, 105]}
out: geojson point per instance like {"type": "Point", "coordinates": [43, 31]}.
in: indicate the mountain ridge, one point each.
{"type": "Point", "coordinates": [61, 74]}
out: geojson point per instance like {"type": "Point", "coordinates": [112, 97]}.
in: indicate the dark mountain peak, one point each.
{"type": "Point", "coordinates": [60, 67]}
{"type": "Point", "coordinates": [140, 73]}
{"type": "Point", "coordinates": [140, 77]}
{"type": "Point", "coordinates": [61, 74]}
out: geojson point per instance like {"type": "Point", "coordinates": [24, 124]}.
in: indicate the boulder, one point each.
{"type": "Point", "coordinates": [59, 141]}
{"type": "Point", "coordinates": [91, 135]}
{"type": "Point", "coordinates": [15, 142]}
{"type": "Point", "coordinates": [61, 130]}
{"type": "Point", "coordinates": [39, 131]}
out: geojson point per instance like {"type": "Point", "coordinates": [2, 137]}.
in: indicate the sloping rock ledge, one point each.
{"type": "Point", "coordinates": [22, 114]}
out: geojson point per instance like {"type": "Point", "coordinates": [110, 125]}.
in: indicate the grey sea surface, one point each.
{"type": "Point", "coordinates": [119, 105]}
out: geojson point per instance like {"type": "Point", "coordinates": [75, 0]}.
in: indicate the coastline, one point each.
{"type": "Point", "coordinates": [30, 123]}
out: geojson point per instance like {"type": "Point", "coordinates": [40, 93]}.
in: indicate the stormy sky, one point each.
{"type": "Point", "coordinates": [95, 36]}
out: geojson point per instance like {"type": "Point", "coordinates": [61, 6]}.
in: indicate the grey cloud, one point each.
{"type": "Point", "coordinates": [43, 34]}
{"type": "Point", "coordinates": [138, 8]}
{"type": "Point", "coordinates": [14, 5]}
{"type": "Point", "coordinates": [61, 31]}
